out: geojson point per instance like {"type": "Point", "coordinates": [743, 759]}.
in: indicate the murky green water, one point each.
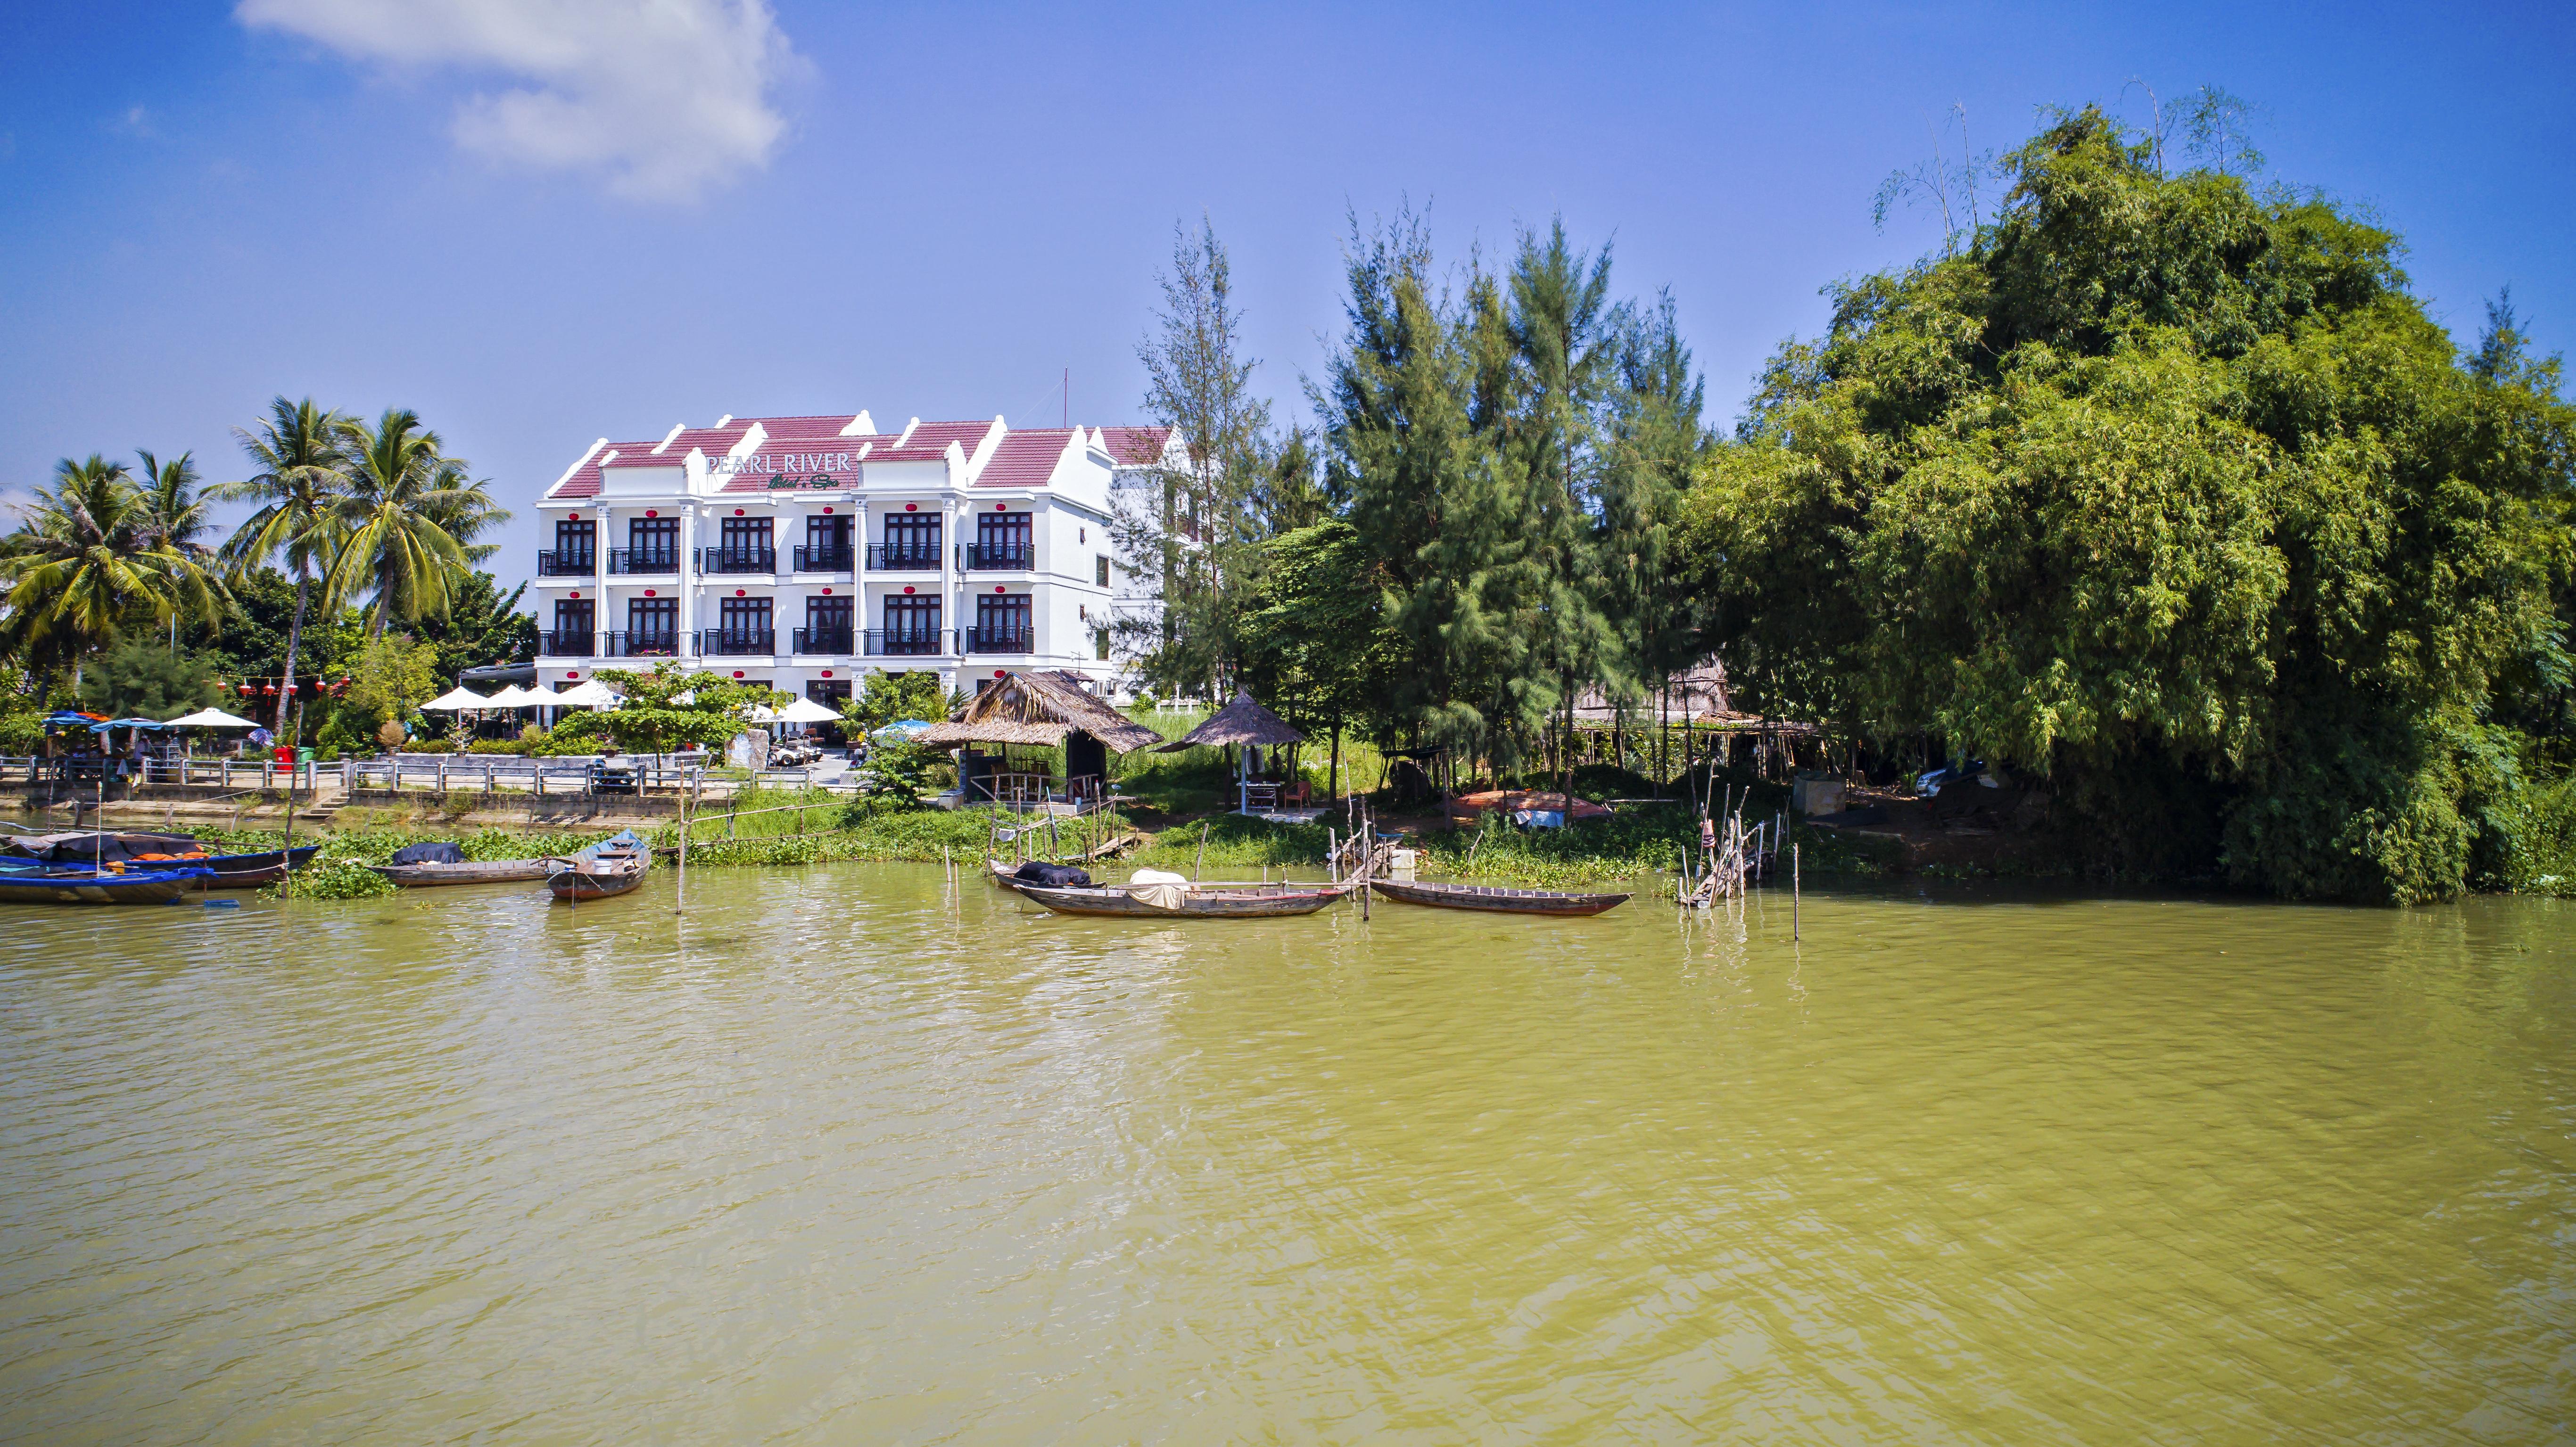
{"type": "Point", "coordinates": [847, 1157]}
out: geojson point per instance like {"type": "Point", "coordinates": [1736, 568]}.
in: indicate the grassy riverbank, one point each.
{"type": "Point", "coordinates": [770, 827]}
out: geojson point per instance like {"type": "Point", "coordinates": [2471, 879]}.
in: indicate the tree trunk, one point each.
{"type": "Point", "coordinates": [294, 639]}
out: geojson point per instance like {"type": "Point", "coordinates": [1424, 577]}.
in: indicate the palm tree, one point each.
{"type": "Point", "coordinates": [84, 560]}
{"type": "Point", "coordinates": [475, 512]}
{"type": "Point", "coordinates": [175, 515]}
{"type": "Point", "coordinates": [299, 451]}
{"type": "Point", "coordinates": [390, 526]}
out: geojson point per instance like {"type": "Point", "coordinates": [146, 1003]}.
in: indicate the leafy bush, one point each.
{"type": "Point", "coordinates": [332, 879]}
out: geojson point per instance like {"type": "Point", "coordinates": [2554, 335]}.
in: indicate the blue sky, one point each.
{"type": "Point", "coordinates": [541, 221]}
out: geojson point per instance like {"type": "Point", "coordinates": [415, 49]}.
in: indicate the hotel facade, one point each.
{"type": "Point", "coordinates": [806, 552]}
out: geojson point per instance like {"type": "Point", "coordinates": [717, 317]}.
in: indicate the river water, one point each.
{"type": "Point", "coordinates": [845, 1154]}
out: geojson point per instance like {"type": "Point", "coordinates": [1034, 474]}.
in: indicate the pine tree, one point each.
{"type": "Point", "coordinates": [1435, 499]}
{"type": "Point", "coordinates": [1197, 531]}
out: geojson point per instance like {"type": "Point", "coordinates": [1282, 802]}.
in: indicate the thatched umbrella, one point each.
{"type": "Point", "coordinates": [1243, 725]}
{"type": "Point", "coordinates": [1044, 709]}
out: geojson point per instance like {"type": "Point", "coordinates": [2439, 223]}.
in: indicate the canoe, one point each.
{"type": "Point", "coordinates": [1243, 901]}
{"type": "Point", "coordinates": [486, 871]}
{"type": "Point", "coordinates": [135, 886]}
{"type": "Point", "coordinates": [1495, 900]}
{"type": "Point", "coordinates": [613, 866]}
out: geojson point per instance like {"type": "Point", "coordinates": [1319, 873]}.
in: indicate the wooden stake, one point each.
{"type": "Point", "coordinates": [1201, 861]}
{"type": "Point", "coordinates": [1793, 893]}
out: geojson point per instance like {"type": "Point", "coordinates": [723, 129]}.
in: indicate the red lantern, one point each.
{"type": "Point", "coordinates": [268, 690]}
{"type": "Point", "coordinates": [245, 690]}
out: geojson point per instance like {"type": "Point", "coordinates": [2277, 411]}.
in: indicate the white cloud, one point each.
{"type": "Point", "coordinates": [660, 98]}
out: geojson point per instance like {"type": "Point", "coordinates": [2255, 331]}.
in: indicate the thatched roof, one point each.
{"type": "Point", "coordinates": [1238, 723]}
{"type": "Point", "coordinates": [1039, 708]}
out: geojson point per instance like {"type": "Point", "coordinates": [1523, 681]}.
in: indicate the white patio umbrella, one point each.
{"type": "Point", "coordinates": [457, 700]}
{"type": "Point", "coordinates": [539, 697]}
{"type": "Point", "coordinates": [211, 718]}
{"type": "Point", "coordinates": [589, 693]}
{"type": "Point", "coordinates": [806, 710]}
{"type": "Point", "coordinates": [511, 696]}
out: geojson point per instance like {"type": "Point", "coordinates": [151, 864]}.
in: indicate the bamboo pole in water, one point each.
{"type": "Point", "coordinates": [1201, 860]}
{"type": "Point", "coordinates": [1793, 894]}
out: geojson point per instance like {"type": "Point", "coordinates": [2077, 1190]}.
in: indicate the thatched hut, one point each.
{"type": "Point", "coordinates": [1039, 709]}
{"type": "Point", "coordinates": [1243, 726]}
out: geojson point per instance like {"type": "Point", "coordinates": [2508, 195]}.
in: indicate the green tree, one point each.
{"type": "Point", "coordinates": [481, 627]}
{"type": "Point", "coordinates": [1316, 648]}
{"type": "Point", "coordinates": [297, 454]}
{"type": "Point", "coordinates": [886, 698]}
{"type": "Point", "coordinates": [83, 564]}
{"type": "Point", "coordinates": [390, 676]}
{"type": "Point", "coordinates": [669, 709]}
{"type": "Point", "coordinates": [389, 528]}
{"type": "Point", "coordinates": [143, 678]}
{"type": "Point", "coordinates": [2168, 492]}
{"type": "Point", "coordinates": [1408, 404]}
{"type": "Point", "coordinates": [1198, 531]}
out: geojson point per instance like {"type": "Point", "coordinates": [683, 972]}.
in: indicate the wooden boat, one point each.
{"type": "Point", "coordinates": [249, 871]}
{"type": "Point", "coordinates": [486, 871]}
{"type": "Point", "coordinates": [614, 865]}
{"type": "Point", "coordinates": [1233, 901]}
{"type": "Point", "coordinates": [82, 886]}
{"type": "Point", "coordinates": [1495, 900]}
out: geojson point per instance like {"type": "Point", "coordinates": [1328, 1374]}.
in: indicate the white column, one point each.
{"type": "Point", "coordinates": [688, 576]}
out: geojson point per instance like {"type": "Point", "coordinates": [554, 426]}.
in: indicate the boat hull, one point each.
{"type": "Point", "coordinates": [1203, 904]}
{"type": "Point", "coordinates": [579, 886]}
{"type": "Point", "coordinates": [488, 871]}
{"type": "Point", "coordinates": [1489, 899]}
{"type": "Point", "coordinates": [250, 871]}
{"type": "Point", "coordinates": [149, 887]}
{"type": "Point", "coordinates": [612, 867]}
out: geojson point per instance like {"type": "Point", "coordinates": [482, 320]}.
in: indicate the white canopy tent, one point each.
{"type": "Point", "coordinates": [457, 700]}
{"type": "Point", "coordinates": [211, 718]}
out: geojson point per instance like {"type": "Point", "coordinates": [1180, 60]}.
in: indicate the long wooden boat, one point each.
{"type": "Point", "coordinates": [1239, 901]}
{"type": "Point", "coordinates": [249, 871]}
{"type": "Point", "coordinates": [485, 871]}
{"type": "Point", "coordinates": [1496, 900]}
{"type": "Point", "coordinates": [613, 866]}
{"type": "Point", "coordinates": [68, 886]}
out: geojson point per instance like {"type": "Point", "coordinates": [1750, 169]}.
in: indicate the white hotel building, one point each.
{"type": "Point", "coordinates": [803, 552]}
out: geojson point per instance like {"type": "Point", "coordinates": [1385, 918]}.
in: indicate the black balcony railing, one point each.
{"type": "Point", "coordinates": [567, 642]}
{"type": "Point", "coordinates": [643, 560]}
{"type": "Point", "coordinates": [824, 559]}
{"type": "Point", "coordinates": [735, 642]}
{"type": "Point", "coordinates": [737, 560]}
{"type": "Point", "coordinates": [985, 638]}
{"type": "Point", "coordinates": [903, 558]}
{"type": "Point", "coordinates": [566, 563]}
{"type": "Point", "coordinates": [822, 640]}
{"type": "Point", "coordinates": [906, 642]}
{"type": "Point", "coordinates": [642, 645]}
{"type": "Point", "coordinates": [985, 557]}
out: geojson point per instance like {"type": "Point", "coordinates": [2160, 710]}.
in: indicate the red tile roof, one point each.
{"type": "Point", "coordinates": [1136, 446]}
{"type": "Point", "coordinates": [1026, 459]}
{"type": "Point", "coordinates": [583, 480]}
{"type": "Point", "coordinates": [929, 441]}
